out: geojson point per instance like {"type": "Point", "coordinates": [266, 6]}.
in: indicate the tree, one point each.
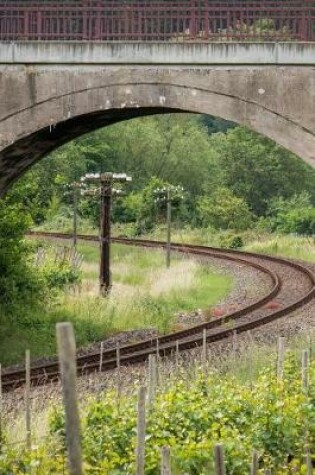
{"type": "Point", "coordinates": [149, 209]}
{"type": "Point", "coordinates": [216, 124]}
{"type": "Point", "coordinates": [17, 282]}
{"type": "Point", "coordinates": [224, 210]}
{"type": "Point", "coordinates": [258, 170]}
{"type": "Point", "coordinates": [174, 148]}
{"type": "Point", "coordinates": [295, 215]}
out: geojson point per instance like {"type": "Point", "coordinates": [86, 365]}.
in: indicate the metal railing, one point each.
{"type": "Point", "coordinates": [156, 20]}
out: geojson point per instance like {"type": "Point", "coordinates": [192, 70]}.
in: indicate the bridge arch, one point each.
{"type": "Point", "coordinates": [58, 106]}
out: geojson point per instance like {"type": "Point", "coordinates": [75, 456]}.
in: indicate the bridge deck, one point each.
{"type": "Point", "coordinates": [157, 53]}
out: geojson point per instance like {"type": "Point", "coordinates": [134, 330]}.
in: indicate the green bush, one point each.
{"type": "Point", "coordinates": [231, 241]}
{"type": "Point", "coordinates": [270, 415]}
{"type": "Point", "coordinates": [300, 221]}
{"type": "Point", "coordinates": [224, 210]}
{"type": "Point", "coordinates": [58, 275]}
{"type": "Point", "coordinates": [296, 215]}
{"type": "Point", "coordinates": [267, 415]}
{"type": "Point", "coordinates": [3, 438]}
{"type": "Point", "coordinates": [19, 283]}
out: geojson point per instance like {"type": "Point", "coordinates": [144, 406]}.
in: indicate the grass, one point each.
{"type": "Point", "coordinates": [291, 246]}
{"type": "Point", "coordinates": [294, 247]}
{"type": "Point", "coordinates": [144, 295]}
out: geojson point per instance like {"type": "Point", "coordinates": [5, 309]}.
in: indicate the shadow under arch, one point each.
{"type": "Point", "coordinates": [45, 125]}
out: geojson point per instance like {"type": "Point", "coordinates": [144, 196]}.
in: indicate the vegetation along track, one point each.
{"type": "Point", "coordinates": [292, 284]}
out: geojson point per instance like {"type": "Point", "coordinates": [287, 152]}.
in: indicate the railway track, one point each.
{"type": "Point", "coordinates": [292, 284]}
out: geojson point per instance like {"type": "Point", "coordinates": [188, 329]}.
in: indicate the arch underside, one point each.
{"type": "Point", "coordinates": [33, 132]}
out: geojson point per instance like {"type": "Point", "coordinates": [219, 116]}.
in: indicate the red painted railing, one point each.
{"type": "Point", "coordinates": [151, 20]}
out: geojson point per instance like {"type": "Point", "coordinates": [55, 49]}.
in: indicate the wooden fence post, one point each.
{"type": "Point", "coordinates": [305, 385]}
{"type": "Point", "coordinates": [219, 465]}
{"type": "Point", "coordinates": [250, 362]}
{"type": "Point", "coordinates": [152, 379]}
{"type": "Point", "coordinates": [1, 405]}
{"type": "Point", "coordinates": [28, 399]}
{"type": "Point", "coordinates": [309, 465]}
{"type": "Point", "coordinates": [141, 428]}
{"type": "Point", "coordinates": [234, 351]}
{"type": "Point", "coordinates": [101, 356]}
{"type": "Point", "coordinates": [280, 357]}
{"type": "Point", "coordinates": [204, 349]}
{"type": "Point", "coordinates": [177, 354]}
{"type": "Point", "coordinates": [68, 370]}
{"type": "Point", "coordinates": [118, 355]}
{"type": "Point", "coordinates": [254, 465]}
{"type": "Point", "coordinates": [118, 374]}
{"type": "Point", "coordinates": [166, 461]}
{"type": "Point", "coordinates": [305, 369]}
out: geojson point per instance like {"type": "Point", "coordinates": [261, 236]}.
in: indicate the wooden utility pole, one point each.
{"type": "Point", "coordinates": [169, 223]}
{"type": "Point", "coordinates": [106, 198]}
{"type": "Point", "coordinates": [76, 187]}
{"type": "Point", "coordinates": [168, 195]}
{"type": "Point", "coordinates": [106, 191]}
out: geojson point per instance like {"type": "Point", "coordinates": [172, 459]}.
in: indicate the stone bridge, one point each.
{"type": "Point", "coordinates": [53, 92]}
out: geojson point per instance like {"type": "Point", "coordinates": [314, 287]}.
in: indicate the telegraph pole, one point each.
{"type": "Point", "coordinates": [169, 223]}
{"type": "Point", "coordinates": [76, 187]}
{"type": "Point", "coordinates": [73, 190]}
{"type": "Point", "coordinates": [169, 195]}
{"type": "Point", "coordinates": [106, 192]}
{"type": "Point", "coordinates": [106, 198]}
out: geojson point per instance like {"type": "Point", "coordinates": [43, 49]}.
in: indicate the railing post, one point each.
{"type": "Point", "coordinates": [96, 34]}
{"type": "Point", "coordinates": [26, 26]}
{"type": "Point", "coordinates": [207, 22]}
{"type": "Point", "coordinates": [39, 25]}
{"type": "Point", "coordinates": [192, 25]}
{"type": "Point", "coordinates": [85, 34]}
{"type": "Point", "coordinates": [101, 20]}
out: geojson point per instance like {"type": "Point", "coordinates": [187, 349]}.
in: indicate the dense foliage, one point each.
{"type": "Point", "coordinates": [224, 210]}
{"type": "Point", "coordinates": [20, 282]}
{"type": "Point", "coordinates": [191, 414]}
{"type": "Point", "coordinates": [14, 265]}
{"type": "Point", "coordinates": [295, 215]}
{"type": "Point", "coordinates": [232, 177]}
{"type": "Point", "coordinates": [26, 290]}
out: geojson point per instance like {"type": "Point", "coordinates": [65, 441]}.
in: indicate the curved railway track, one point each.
{"type": "Point", "coordinates": [291, 283]}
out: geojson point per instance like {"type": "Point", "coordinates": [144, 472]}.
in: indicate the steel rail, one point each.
{"type": "Point", "coordinates": [185, 339]}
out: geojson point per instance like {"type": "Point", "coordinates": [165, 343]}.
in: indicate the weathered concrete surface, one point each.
{"type": "Point", "coordinates": [157, 53]}
{"type": "Point", "coordinates": [44, 105]}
